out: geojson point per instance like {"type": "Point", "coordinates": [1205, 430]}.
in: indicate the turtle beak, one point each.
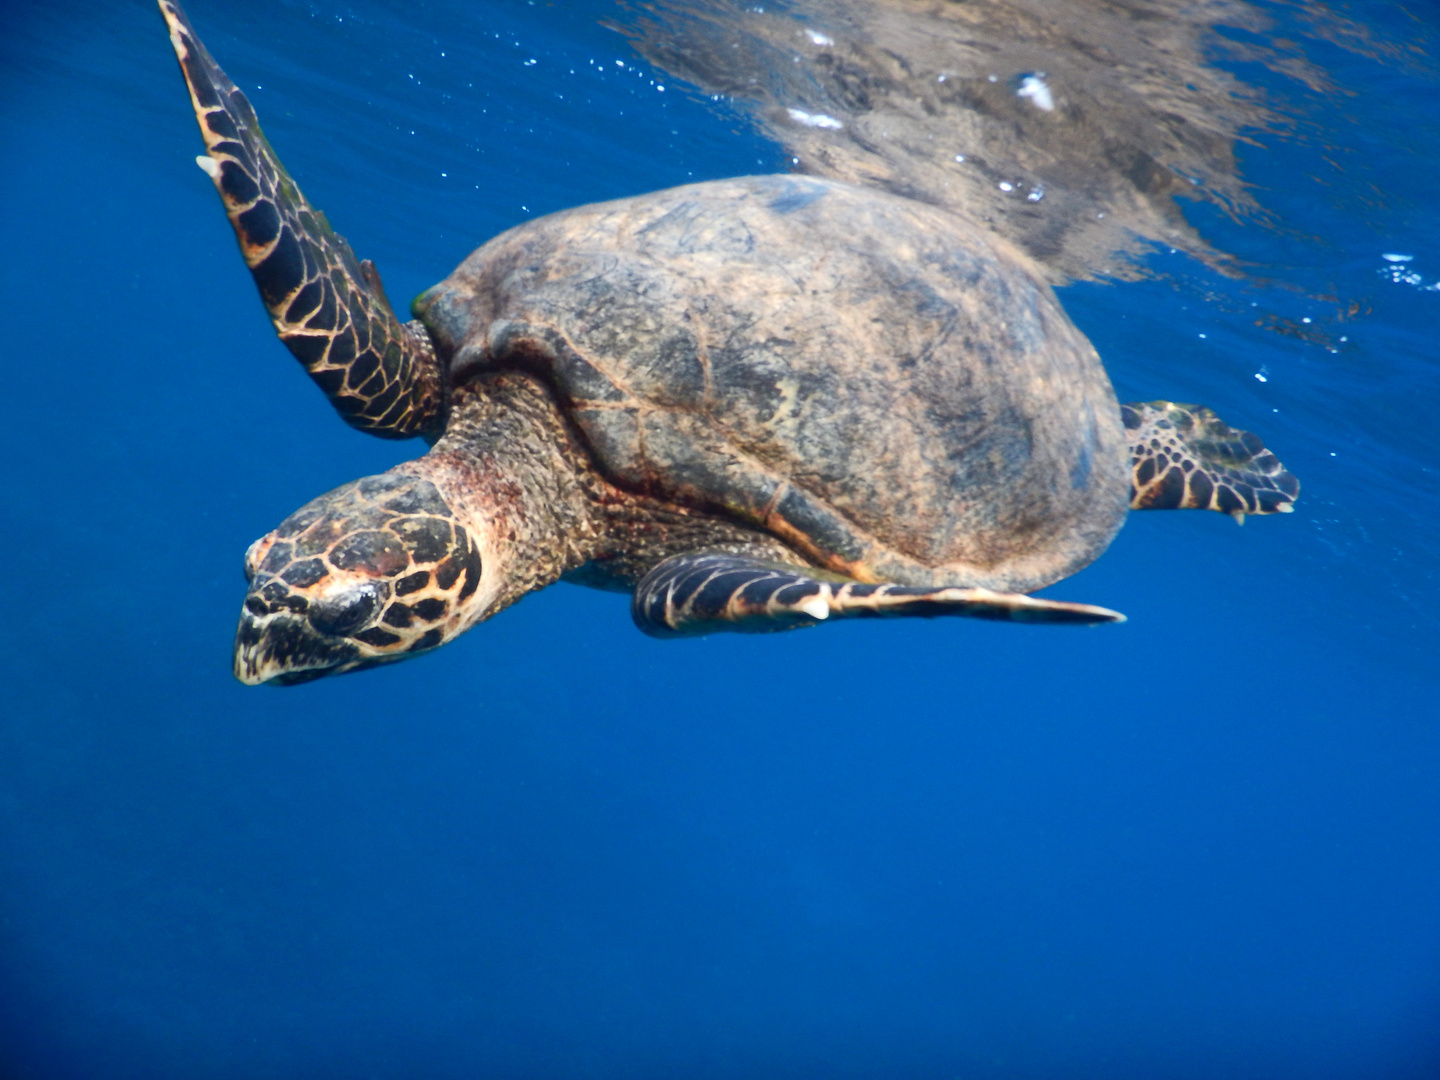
{"type": "Point", "coordinates": [281, 648]}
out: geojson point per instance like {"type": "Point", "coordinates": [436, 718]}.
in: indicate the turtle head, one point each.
{"type": "Point", "coordinates": [376, 570]}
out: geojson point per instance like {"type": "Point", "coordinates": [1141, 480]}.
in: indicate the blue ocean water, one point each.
{"type": "Point", "coordinates": [1204, 843]}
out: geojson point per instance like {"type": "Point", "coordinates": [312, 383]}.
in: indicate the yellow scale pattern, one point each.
{"type": "Point", "coordinates": [1184, 457]}
{"type": "Point", "coordinates": [328, 308]}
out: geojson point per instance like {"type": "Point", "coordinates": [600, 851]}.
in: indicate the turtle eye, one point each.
{"type": "Point", "coordinates": [342, 613]}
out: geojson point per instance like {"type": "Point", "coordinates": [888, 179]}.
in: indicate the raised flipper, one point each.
{"type": "Point", "coordinates": [1184, 457]}
{"type": "Point", "coordinates": [690, 595]}
{"type": "Point", "coordinates": [381, 375]}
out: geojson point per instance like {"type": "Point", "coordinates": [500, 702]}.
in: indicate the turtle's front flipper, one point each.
{"type": "Point", "coordinates": [690, 595]}
{"type": "Point", "coordinates": [380, 375]}
{"type": "Point", "coordinates": [1184, 457]}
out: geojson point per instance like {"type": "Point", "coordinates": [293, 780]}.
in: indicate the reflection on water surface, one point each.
{"type": "Point", "coordinates": [1070, 128]}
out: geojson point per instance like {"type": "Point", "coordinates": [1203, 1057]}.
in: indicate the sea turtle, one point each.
{"type": "Point", "coordinates": [755, 404]}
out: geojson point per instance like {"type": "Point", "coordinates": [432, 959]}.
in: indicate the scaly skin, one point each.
{"type": "Point", "coordinates": [1184, 457]}
{"type": "Point", "coordinates": [702, 592]}
{"type": "Point", "coordinates": [506, 503]}
{"type": "Point", "coordinates": [331, 310]}
{"type": "Point", "coordinates": [374, 570]}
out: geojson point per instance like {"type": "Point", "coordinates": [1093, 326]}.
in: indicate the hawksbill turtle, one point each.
{"type": "Point", "coordinates": [754, 404]}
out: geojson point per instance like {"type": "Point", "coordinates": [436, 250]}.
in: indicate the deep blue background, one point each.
{"type": "Point", "coordinates": [1204, 843]}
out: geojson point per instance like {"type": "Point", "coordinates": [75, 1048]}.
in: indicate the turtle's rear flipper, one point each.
{"type": "Point", "coordinates": [380, 375]}
{"type": "Point", "coordinates": [690, 595]}
{"type": "Point", "coordinates": [1184, 457]}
